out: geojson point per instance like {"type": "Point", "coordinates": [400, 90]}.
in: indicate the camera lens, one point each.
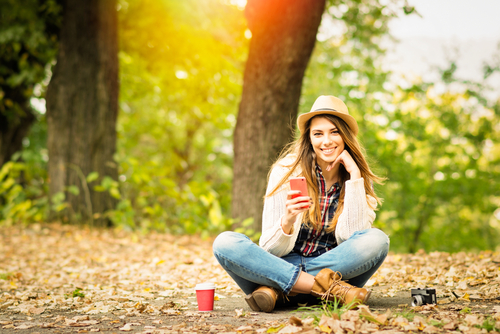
{"type": "Point", "coordinates": [417, 300]}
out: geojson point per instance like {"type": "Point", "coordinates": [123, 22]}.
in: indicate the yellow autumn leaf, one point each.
{"type": "Point", "coordinates": [160, 262]}
{"type": "Point", "coordinates": [325, 329]}
{"type": "Point", "coordinates": [216, 298]}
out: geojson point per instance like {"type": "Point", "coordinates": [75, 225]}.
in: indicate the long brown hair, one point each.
{"type": "Point", "coordinates": [306, 159]}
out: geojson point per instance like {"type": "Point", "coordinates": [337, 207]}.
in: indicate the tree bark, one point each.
{"type": "Point", "coordinates": [283, 37]}
{"type": "Point", "coordinates": [82, 105]}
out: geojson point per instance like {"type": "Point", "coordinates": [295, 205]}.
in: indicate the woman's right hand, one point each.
{"type": "Point", "coordinates": [294, 206]}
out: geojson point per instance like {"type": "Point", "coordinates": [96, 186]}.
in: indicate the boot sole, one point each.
{"type": "Point", "coordinates": [367, 296]}
{"type": "Point", "coordinates": [358, 302]}
{"type": "Point", "coordinates": [264, 301]}
{"type": "Point", "coordinates": [251, 302]}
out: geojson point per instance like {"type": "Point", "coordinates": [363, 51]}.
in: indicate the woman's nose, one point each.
{"type": "Point", "coordinates": [328, 139]}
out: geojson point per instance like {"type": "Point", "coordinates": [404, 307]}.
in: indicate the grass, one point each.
{"type": "Point", "coordinates": [331, 309]}
{"type": "Point", "coordinates": [436, 323]}
{"type": "Point", "coordinates": [489, 324]}
{"type": "Point", "coordinates": [408, 314]}
{"type": "Point", "coordinates": [76, 293]}
{"type": "Point", "coordinates": [6, 276]}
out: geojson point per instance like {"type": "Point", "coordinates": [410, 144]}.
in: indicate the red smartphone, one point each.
{"type": "Point", "coordinates": [299, 183]}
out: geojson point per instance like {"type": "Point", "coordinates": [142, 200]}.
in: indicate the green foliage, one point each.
{"type": "Point", "coordinates": [181, 69]}
{"type": "Point", "coordinates": [176, 120]}
{"type": "Point", "coordinates": [20, 204]}
{"type": "Point", "coordinates": [246, 228]}
{"type": "Point", "coordinates": [6, 276]}
{"type": "Point", "coordinates": [490, 324]}
{"type": "Point", "coordinates": [406, 313]}
{"type": "Point", "coordinates": [439, 146]}
{"type": "Point", "coordinates": [435, 141]}
{"type": "Point", "coordinates": [28, 43]}
{"type": "Point", "coordinates": [465, 310]}
{"type": "Point", "coordinates": [76, 293]}
{"type": "Point", "coordinates": [436, 323]}
{"type": "Point", "coordinates": [331, 309]}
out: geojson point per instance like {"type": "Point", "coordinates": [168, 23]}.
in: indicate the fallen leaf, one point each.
{"type": "Point", "coordinates": [472, 320]}
{"type": "Point", "coordinates": [348, 325]}
{"type": "Point", "coordinates": [126, 328]}
{"type": "Point", "coordinates": [24, 326]}
{"type": "Point", "coordinates": [450, 326]}
{"type": "Point", "coordinates": [431, 329]}
{"type": "Point", "coordinates": [295, 321]}
{"type": "Point", "coordinates": [244, 328]}
{"type": "Point", "coordinates": [291, 329]}
{"type": "Point", "coordinates": [324, 328]}
{"type": "Point", "coordinates": [465, 297]}
{"type": "Point", "coordinates": [35, 310]}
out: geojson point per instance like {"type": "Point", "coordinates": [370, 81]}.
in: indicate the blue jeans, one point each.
{"type": "Point", "coordinates": [357, 259]}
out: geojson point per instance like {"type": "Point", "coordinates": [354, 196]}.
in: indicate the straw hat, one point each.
{"type": "Point", "coordinates": [331, 105]}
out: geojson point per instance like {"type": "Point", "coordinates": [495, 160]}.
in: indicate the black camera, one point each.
{"type": "Point", "coordinates": [421, 297]}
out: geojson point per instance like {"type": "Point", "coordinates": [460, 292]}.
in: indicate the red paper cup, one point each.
{"type": "Point", "coordinates": [205, 295]}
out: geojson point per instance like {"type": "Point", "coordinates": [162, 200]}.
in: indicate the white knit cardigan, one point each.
{"type": "Point", "coordinates": [356, 216]}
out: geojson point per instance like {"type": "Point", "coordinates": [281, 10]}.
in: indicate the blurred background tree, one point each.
{"type": "Point", "coordinates": [28, 41]}
{"type": "Point", "coordinates": [82, 108]}
{"type": "Point", "coordinates": [181, 78]}
{"type": "Point", "coordinates": [283, 37]}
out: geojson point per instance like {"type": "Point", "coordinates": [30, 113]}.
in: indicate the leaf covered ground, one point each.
{"type": "Point", "coordinates": [56, 278]}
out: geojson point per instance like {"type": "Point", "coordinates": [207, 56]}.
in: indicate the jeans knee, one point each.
{"type": "Point", "coordinates": [379, 240]}
{"type": "Point", "coordinates": [226, 242]}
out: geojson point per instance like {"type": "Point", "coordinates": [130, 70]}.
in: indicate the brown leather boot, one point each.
{"type": "Point", "coordinates": [263, 299]}
{"type": "Point", "coordinates": [329, 285]}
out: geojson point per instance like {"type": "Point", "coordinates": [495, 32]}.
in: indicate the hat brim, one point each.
{"type": "Point", "coordinates": [350, 121]}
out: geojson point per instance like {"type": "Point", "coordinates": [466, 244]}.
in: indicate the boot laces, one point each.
{"type": "Point", "coordinates": [343, 289]}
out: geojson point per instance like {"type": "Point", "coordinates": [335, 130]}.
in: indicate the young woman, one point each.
{"type": "Point", "coordinates": [323, 244]}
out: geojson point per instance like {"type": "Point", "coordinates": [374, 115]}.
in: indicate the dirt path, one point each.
{"type": "Point", "coordinates": [61, 279]}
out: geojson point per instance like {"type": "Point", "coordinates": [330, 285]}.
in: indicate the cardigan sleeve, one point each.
{"type": "Point", "coordinates": [274, 240]}
{"type": "Point", "coordinates": [357, 214]}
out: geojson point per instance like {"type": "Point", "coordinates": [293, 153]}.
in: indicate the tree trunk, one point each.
{"type": "Point", "coordinates": [82, 105]}
{"type": "Point", "coordinates": [283, 37]}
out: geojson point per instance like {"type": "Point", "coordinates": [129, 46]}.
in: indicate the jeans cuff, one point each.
{"type": "Point", "coordinates": [292, 281]}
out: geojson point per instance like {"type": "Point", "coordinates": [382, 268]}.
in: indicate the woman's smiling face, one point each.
{"type": "Point", "coordinates": [326, 141]}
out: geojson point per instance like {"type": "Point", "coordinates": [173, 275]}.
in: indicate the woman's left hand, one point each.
{"type": "Point", "coordinates": [350, 165]}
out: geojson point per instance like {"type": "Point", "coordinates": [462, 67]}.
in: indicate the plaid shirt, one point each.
{"type": "Point", "coordinates": [312, 242]}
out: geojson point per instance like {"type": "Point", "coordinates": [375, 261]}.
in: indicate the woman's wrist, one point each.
{"type": "Point", "coordinates": [286, 226]}
{"type": "Point", "coordinates": [355, 175]}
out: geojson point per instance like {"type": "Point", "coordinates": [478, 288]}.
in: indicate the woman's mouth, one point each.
{"type": "Point", "coordinates": [328, 150]}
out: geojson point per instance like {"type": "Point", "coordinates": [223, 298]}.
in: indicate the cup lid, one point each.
{"type": "Point", "coordinates": [205, 286]}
